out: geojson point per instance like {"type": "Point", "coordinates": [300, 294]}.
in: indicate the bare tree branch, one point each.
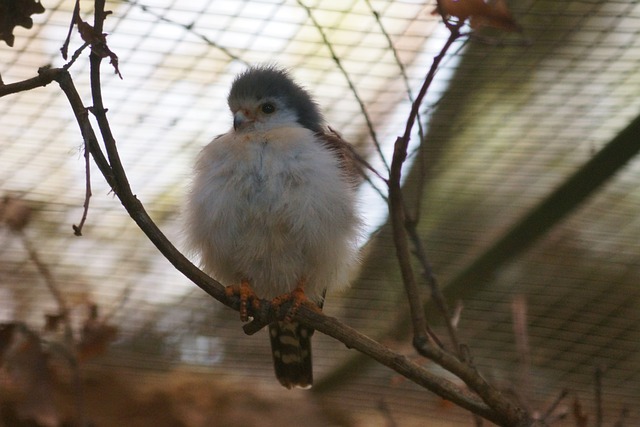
{"type": "Point", "coordinates": [188, 27]}
{"type": "Point", "coordinates": [399, 363]}
{"type": "Point", "coordinates": [436, 293]}
{"type": "Point", "coordinates": [509, 413]}
{"type": "Point", "coordinates": [77, 229]}
{"type": "Point", "coordinates": [548, 416]}
{"type": "Point", "coordinates": [74, 19]}
{"type": "Point", "coordinates": [45, 76]}
{"type": "Point", "coordinates": [336, 59]}
{"type": "Point", "coordinates": [521, 338]}
{"type": "Point", "coordinates": [397, 211]}
{"type": "Point", "coordinates": [52, 285]}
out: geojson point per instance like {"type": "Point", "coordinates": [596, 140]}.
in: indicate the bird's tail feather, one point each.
{"type": "Point", "coordinates": [291, 349]}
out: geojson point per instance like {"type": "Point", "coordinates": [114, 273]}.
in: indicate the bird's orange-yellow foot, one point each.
{"type": "Point", "coordinates": [246, 294]}
{"type": "Point", "coordinates": [298, 297]}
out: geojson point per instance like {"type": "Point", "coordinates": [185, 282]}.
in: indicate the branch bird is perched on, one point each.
{"type": "Point", "coordinates": [272, 208]}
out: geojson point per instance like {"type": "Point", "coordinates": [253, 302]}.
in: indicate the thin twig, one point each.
{"type": "Point", "coordinates": [75, 56]}
{"type": "Point", "coordinates": [397, 212]}
{"type": "Point", "coordinates": [405, 79]}
{"type": "Point", "coordinates": [86, 130]}
{"type": "Point", "coordinates": [130, 202]}
{"type": "Point", "coordinates": [122, 189]}
{"type": "Point", "coordinates": [521, 337]}
{"type": "Point", "coordinates": [598, 394]}
{"type": "Point", "coordinates": [412, 222]}
{"type": "Point", "coordinates": [352, 86]}
{"type": "Point", "coordinates": [432, 281]}
{"type": "Point", "coordinates": [77, 229]}
{"type": "Point", "coordinates": [403, 71]}
{"type": "Point", "coordinates": [375, 188]}
{"type": "Point", "coordinates": [546, 418]}
{"type": "Point", "coordinates": [362, 165]}
{"type": "Point", "coordinates": [510, 413]}
{"type": "Point", "coordinates": [446, 19]}
{"type": "Point", "coordinates": [45, 76]}
{"type": "Point", "coordinates": [189, 28]}
{"type": "Point", "coordinates": [98, 109]}
{"type": "Point", "coordinates": [74, 19]}
{"type": "Point", "coordinates": [386, 413]}
{"type": "Point", "coordinates": [397, 207]}
{"type": "Point", "coordinates": [396, 56]}
{"type": "Point", "coordinates": [46, 274]}
{"type": "Point", "coordinates": [401, 364]}
{"type": "Point", "coordinates": [119, 303]}
{"type": "Point", "coordinates": [52, 285]}
{"type": "Point", "coordinates": [403, 255]}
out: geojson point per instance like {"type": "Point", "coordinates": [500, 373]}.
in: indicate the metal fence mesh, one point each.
{"type": "Point", "coordinates": [509, 118]}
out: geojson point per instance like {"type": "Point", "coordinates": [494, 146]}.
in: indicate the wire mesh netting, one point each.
{"type": "Point", "coordinates": [510, 117]}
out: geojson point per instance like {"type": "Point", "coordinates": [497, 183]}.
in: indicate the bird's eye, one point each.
{"type": "Point", "coordinates": [268, 108]}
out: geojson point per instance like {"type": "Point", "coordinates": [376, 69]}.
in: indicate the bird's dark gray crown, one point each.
{"type": "Point", "coordinates": [271, 82]}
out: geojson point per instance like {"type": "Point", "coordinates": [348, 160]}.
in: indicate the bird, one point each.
{"type": "Point", "coordinates": [273, 208]}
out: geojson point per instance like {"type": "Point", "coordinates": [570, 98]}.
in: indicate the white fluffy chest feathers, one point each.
{"type": "Point", "coordinates": [272, 163]}
{"type": "Point", "coordinates": [274, 208]}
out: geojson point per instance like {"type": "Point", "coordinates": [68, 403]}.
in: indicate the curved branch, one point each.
{"type": "Point", "coordinates": [508, 413]}
{"type": "Point", "coordinates": [399, 363]}
{"type": "Point", "coordinates": [397, 213]}
{"type": "Point", "coordinates": [45, 76]}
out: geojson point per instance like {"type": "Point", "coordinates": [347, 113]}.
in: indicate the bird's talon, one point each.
{"type": "Point", "coordinates": [299, 298]}
{"type": "Point", "coordinates": [246, 294]}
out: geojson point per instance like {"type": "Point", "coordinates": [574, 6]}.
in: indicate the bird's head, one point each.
{"type": "Point", "coordinates": [263, 98]}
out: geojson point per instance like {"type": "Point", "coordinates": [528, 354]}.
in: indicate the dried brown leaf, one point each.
{"type": "Point", "coordinates": [98, 42]}
{"type": "Point", "coordinates": [578, 413]}
{"type": "Point", "coordinates": [96, 336]}
{"type": "Point", "coordinates": [15, 13]}
{"type": "Point", "coordinates": [53, 322]}
{"type": "Point", "coordinates": [14, 213]}
{"type": "Point", "coordinates": [494, 14]}
{"type": "Point", "coordinates": [25, 378]}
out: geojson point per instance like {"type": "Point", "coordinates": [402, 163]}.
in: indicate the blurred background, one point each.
{"type": "Point", "coordinates": [524, 182]}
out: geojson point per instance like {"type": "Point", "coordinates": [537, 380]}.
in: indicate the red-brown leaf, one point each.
{"type": "Point", "coordinates": [480, 14]}
{"type": "Point", "coordinates": [15, 13]}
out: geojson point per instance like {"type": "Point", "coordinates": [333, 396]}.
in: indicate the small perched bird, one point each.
{"type": "Point", "coordinates": [272, 210]}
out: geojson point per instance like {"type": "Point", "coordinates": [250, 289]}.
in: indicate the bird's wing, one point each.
{"type": "Point", "coordinates": [352, 164]}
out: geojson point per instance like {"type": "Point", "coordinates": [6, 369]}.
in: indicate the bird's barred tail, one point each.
{"type": "Point", "coordinates": [291, 349]}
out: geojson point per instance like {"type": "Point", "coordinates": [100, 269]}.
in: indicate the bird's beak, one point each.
{"type": "Point", "coordinates": [240, 120]}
